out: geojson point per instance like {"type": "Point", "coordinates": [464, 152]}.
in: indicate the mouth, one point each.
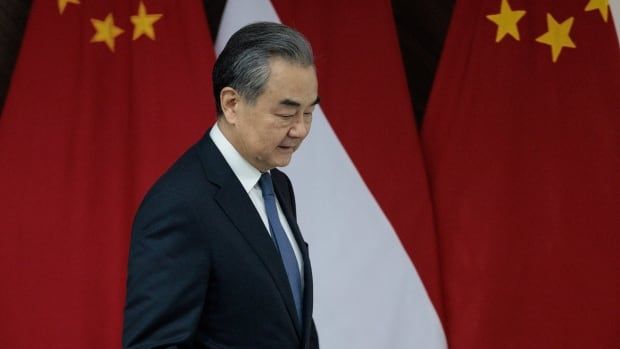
{"type": "Point", "coordinates": [288, 148]}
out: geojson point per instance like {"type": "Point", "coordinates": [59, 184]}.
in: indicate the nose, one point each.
{"type": "Point", "coordinates": [300, 127]}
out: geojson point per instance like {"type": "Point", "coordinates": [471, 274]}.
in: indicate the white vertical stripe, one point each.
{"type": "Point", "coordinates": [367, 292]}
{"type": "Point", "coordinates": [615, 13]}
{"type": "Point", "coordinates": [239, 13]}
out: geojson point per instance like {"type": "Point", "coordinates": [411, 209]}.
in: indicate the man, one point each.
{"type": "Point", "coordinates": [217, 259]}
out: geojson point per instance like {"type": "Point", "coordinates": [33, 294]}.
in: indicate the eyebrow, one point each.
{"type": "Point", "coordinates": [292, 103]}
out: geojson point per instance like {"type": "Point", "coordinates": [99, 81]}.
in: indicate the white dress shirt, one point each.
{"type": "Point", "coordinates": [248, 175]}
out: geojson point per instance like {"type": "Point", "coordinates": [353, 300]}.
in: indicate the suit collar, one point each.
{"type": "Point", "coordinates": [247, 174]}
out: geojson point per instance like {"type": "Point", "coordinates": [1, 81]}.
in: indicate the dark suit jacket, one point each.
{"type": "Point", "coordinates": [203, 270]}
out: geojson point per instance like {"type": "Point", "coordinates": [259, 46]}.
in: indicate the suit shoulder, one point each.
{"type": "Point", "coordinates": [183, 181]}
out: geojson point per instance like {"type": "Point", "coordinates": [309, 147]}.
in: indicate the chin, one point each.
{"type": "Point", "coordinates": [282, 162]}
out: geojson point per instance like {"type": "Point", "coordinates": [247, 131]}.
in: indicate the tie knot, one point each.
{"type": "Point", "coordinates": [266, 185]}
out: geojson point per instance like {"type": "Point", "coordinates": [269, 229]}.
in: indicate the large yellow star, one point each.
{"type": "Point", "coordinates": [106, 31]}
{"type": "Point", "coordinates": [557, 36]}
{"type": "Point", "coordinates": [62, 4]}
{"type": "Point", "coordinates": [143, 23]}
{"type": "Point", "coordinates": [506, 21]}
{"type": "Point", "coordinates": [601, 5]}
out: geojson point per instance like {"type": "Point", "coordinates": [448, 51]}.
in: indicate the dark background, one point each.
{"type": "Point", "coordinates": [421, 26]}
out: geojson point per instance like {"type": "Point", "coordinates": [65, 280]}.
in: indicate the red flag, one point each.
{"type": "Point", "coordinates": [522, 138]}
{"type": "Point", "coordinates": [105, 95]}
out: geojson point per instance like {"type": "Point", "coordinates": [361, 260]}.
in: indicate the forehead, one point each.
{"type": "Point", "coordinates": [291, 81]}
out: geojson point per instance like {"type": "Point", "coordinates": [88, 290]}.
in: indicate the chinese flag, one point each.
{"type": "Point", "coordinates": [522, 140]}
{"type": "Point", "coordinates": [105, 95]}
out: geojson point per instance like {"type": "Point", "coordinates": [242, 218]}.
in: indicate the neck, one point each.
{"type": "Point", "coordinates": [227, 130]}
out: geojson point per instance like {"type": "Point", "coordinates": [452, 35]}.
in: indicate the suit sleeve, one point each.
{"type": "Point", "coordinates": [167, 275]}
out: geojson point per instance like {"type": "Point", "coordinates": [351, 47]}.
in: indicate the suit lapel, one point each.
{"type": "Point", "coordinates": [236, 204]}
{"type": "Point", "coordinates": [286, 202]}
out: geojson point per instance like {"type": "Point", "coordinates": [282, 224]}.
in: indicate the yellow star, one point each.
{"type": "Point", "coordinates": [557, 36]}
{"type": "Point", "coordinates": [601, 5]}
{"type": "Point", "coordinates": [106, 31]}
{"type": "Point", "coordinates": [506, 21]}
{"type": "Point", "coordinates": [63, 3]}
{"type": "Point", "coordinates": [143, 23]}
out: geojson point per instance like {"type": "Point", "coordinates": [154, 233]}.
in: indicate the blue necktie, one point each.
{"type": "Point", "coordinates": [281, 241]}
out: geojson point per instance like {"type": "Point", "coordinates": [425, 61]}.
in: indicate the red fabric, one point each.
{"type": "Point", "coordinates": [84, 133]}
{"type": "Point", "coordinates": [364, 94]}
{"type": "Point", "coordinates": [524, 161]}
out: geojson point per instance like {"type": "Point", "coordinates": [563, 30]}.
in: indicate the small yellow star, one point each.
{"type": "Point", "coordinates": [506, 21]}
{"type": "Point", "coordinates": [143, 23]}
{"type": "Point", "coordinates": [106, 31]}
{"type": "Point", "coordinates": [62, 4]}
{"type": "Point", "coordinates": [557, 36]}
{"type": "Point", "coordinates": [601, 5]}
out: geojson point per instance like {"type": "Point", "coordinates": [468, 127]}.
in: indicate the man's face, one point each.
{"type": "Point", "coordinates": [268, 131]}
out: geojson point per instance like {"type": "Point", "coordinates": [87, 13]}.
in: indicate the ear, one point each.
{"type": "Point", "coordinates": [230, 101]}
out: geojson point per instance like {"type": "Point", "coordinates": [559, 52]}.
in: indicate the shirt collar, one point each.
{"type": "Point", "coordinates": [247, 174]}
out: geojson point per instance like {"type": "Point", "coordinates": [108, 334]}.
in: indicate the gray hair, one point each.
{"type": "Point", "coordinates": [244, 62]}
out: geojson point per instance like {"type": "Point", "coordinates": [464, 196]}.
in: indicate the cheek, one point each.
{"type": "Point", "coordinates": [275, 137]}
{"type": "Point", "coordinates": [265, 138]}
{"type": "Point", "coordinates": [275, 132]}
